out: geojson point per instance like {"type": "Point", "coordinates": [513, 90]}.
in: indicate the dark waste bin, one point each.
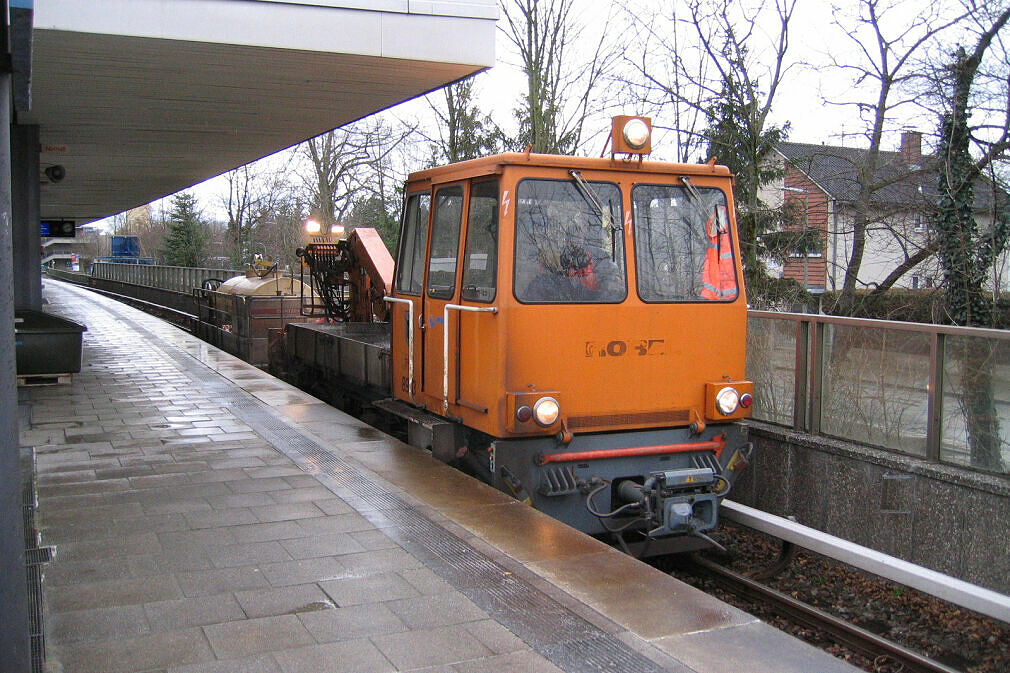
{"type": "Point", "coordinates": [45, 344]}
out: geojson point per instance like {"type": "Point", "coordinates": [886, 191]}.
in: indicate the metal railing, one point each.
{"type": "Point", "coordinates": [937, 392]}
{"type": "Point", "coordinates": [176, 278]}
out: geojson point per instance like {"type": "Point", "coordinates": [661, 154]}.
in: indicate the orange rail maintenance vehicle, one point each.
{"type": "Point", "coordinates": [572, 330]}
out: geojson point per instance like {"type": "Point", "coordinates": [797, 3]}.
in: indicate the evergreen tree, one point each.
{"type": "Point", "coordinates": [464, 133]}
{"type": "Point", "coordinates": [739, 138]}
{"type": "Point", "coordinates": [188, 235]}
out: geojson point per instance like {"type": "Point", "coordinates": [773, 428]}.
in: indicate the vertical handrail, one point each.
{"type": "Point", "coordinates": [410, 341]}
{"type": "Point", "coordinates": [445, 345]}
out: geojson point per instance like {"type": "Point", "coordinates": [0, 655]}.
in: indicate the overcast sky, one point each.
{"type": "Point", "coordinates": [801, 100]}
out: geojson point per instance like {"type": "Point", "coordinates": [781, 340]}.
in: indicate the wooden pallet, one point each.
{"type": "Point", "coordinates": [44, 379]}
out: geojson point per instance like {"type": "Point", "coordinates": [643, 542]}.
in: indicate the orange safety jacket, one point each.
{"type": "Point", "coordinates": [718, 276]}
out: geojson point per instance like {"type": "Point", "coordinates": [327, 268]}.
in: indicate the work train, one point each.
{"type": "Point", "coordinates": [571, 330]}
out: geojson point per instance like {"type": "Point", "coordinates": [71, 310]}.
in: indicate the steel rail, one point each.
{"type": "Point", "coordinates": [971, 596]}
{"type": "Point", "coordinates": [858, 639]}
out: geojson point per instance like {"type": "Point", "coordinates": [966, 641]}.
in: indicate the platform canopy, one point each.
{"type": "Point", "coordinates": [138, 99]}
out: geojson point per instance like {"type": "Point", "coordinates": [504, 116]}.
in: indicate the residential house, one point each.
{"type": "Point", "coordinates": [822, 184]}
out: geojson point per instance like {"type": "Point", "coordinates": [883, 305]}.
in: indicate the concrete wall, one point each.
{"type": "Point", "coordinates": [938, 516]}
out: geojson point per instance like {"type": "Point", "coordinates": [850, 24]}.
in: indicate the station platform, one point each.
{"type": "Point", "coordinates": [207, 517]}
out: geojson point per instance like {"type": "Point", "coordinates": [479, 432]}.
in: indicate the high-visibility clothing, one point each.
{"type": "Point", "coordinates": [718, 276]}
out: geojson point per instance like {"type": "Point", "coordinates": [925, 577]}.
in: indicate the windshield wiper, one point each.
{"type": "Point", "coordinates": [606, 215]}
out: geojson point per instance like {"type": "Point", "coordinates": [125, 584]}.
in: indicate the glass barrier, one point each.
{"type": "Point", "coordinates": [875, 386]}
{"type": "Point", "coordinates": [937, 392]}
{"type": "Point", "coordinates": [975, 415]}
{"type": "Point", "coordinates": [771, 365]}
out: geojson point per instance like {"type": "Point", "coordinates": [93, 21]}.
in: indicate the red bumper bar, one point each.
{"type": "Point", "coordinates": [717, 444]}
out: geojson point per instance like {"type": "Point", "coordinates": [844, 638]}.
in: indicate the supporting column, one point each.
{"type": "Point", "coordinates": [25, 201]}
{"type": "Point", "coordinates": [15, 655]}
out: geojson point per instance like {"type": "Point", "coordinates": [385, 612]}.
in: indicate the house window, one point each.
{"type": "Point", "coordinates": [915, 282]}
{"type": "Point", "coordinates": [918, 223]}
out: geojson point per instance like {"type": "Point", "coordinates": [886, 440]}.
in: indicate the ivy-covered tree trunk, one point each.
{"type": "Point", "coordinates": [966, 255]}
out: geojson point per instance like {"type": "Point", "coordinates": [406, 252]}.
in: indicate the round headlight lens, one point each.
{"type": "Point", "coordinates": [727, 401]}
{"type": "Point", "coordinates": [313, 227]}
{"type": "Point", "coordinates": [546, 411]}
{"type": "Point", "coordinates": [636, 134]}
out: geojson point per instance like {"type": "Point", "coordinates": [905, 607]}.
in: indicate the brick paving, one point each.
{"type": "Point", "coordinates": [186, 543]}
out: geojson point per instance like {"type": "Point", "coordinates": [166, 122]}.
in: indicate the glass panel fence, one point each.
{"type": "Point", "coordinates": [876, 386]}
{"type": "Point", "coordinates": [975, 417]}
{"type": "Point", "coordinates": [771, 365]}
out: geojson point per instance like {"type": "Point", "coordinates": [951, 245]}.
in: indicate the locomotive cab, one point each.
{"type": "Point", "coordinates": [578, 325]}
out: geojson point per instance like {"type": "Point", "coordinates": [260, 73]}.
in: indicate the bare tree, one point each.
{"type": "Point", "coordinates": [561, 82]}
{"type": "Point", "coordinates": [890, 39]}
{"type": "Point", "coordinates": [348, 163]}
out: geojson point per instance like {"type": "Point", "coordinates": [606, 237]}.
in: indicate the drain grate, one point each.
{"type": "Point", "coordinates": [36, 557]}
{"type": "Point", "coordinates": [569, 641]}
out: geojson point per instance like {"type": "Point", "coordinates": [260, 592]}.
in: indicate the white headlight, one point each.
{"type": "Point", "coordinates": [313, 227]}
{"type": "Point", "coordinates": [546, 411]}
{"type": "Point", "coordinates": [727, 401]}
{"type": "Point", "coordinates": [636, 134]}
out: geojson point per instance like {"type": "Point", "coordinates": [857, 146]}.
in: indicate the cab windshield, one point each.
{"type": "Point", "coordinates": [683, 250]}
{"type": "Point", "coordinates": [568, 243]}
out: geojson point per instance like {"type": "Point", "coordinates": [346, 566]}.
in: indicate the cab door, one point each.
{"type": "Point", "coordinates": [440, 289]}
{"type": "Point", "coordinates": [407, 307]}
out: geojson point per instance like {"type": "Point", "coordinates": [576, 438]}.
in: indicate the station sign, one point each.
{"type": "Point", "coordinates": [58, 228]}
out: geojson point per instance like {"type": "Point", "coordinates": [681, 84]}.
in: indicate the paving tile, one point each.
{"type": "Point", "coordinates": [143, 653]}
{"type": "Point", "coordinates": [219, 518]}
{"type": "Point", "coordinates": [302, 571]}
{"type": "Point", "coordinates": [425, 581]}
{"type": "Point", "coordinates": [261, 532]}
{"type": "Point", "coordinates": [359, 656]}
{"type": "Point", "coordinates": [111, 593]}
{"type": "Point", "coordinates": [360, 621]}
{"type": "Point", "coordinates": [341, 523]}
{"type": "Point", "coordinates": [370, 589]}
{"type": "Point", "coordinates": [251, 485]}
{"type": "Point", "coordinates": [97, 624]}
{"type": "Point", "coordinates": [378, 561]}
{"type": "Point", "coordinates": [240, 500]}
{"type": "Point", "coordinates": [188, 612]}
{"type": "Point", "coordinates": [315, 494]}
{"type": "Point", "coordinates": [287, 512]}
{"type": "Point", "coordinates": [322, 545]}
{"type": "Point", "coordinates": [283, 600]}
{"type": "Point", "coordinates": [263, 663]}
{"type": "Point", "coordinates": [436, 610]}
{"type": "Point", "coordinates": [229, 556]}
{"type": "Point", "coordinates": [255, 636]}
{"type": "Point", "coordinates": [224, 580]}
{"type": "Point", "coordinates": [519, 662]}
{"type": "Point", "coordinates": [373, 539]}
{"type": "Point", "coordinates": [495, 637]}
{"type": "Point", "coordinates": [115, 547]}
{"type": "Point", "coordinates": [429, 647]}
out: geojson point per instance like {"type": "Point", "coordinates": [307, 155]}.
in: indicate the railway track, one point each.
{"type": "Point", "coordinates": [885, 654]}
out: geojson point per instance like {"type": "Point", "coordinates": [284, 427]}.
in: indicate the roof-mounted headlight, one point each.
{"type": "Point", "coordinates": [631, 135]}
{"type": "Point", "coordinates": [636, 134]}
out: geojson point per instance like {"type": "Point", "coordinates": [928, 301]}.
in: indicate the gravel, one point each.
{"type": "Point", "coordinates": [954, 636]}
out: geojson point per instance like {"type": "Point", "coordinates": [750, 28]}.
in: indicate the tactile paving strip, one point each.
{"type": "Point", "coordinates": [566, 639]}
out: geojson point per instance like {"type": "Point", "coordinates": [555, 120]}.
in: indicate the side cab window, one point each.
{"type": "Point", "coordinates": [413, 244]}
{"type": "Point", "coordinates": [445, 225]}
{"type": "Point", "coordinates": [480, 259]}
